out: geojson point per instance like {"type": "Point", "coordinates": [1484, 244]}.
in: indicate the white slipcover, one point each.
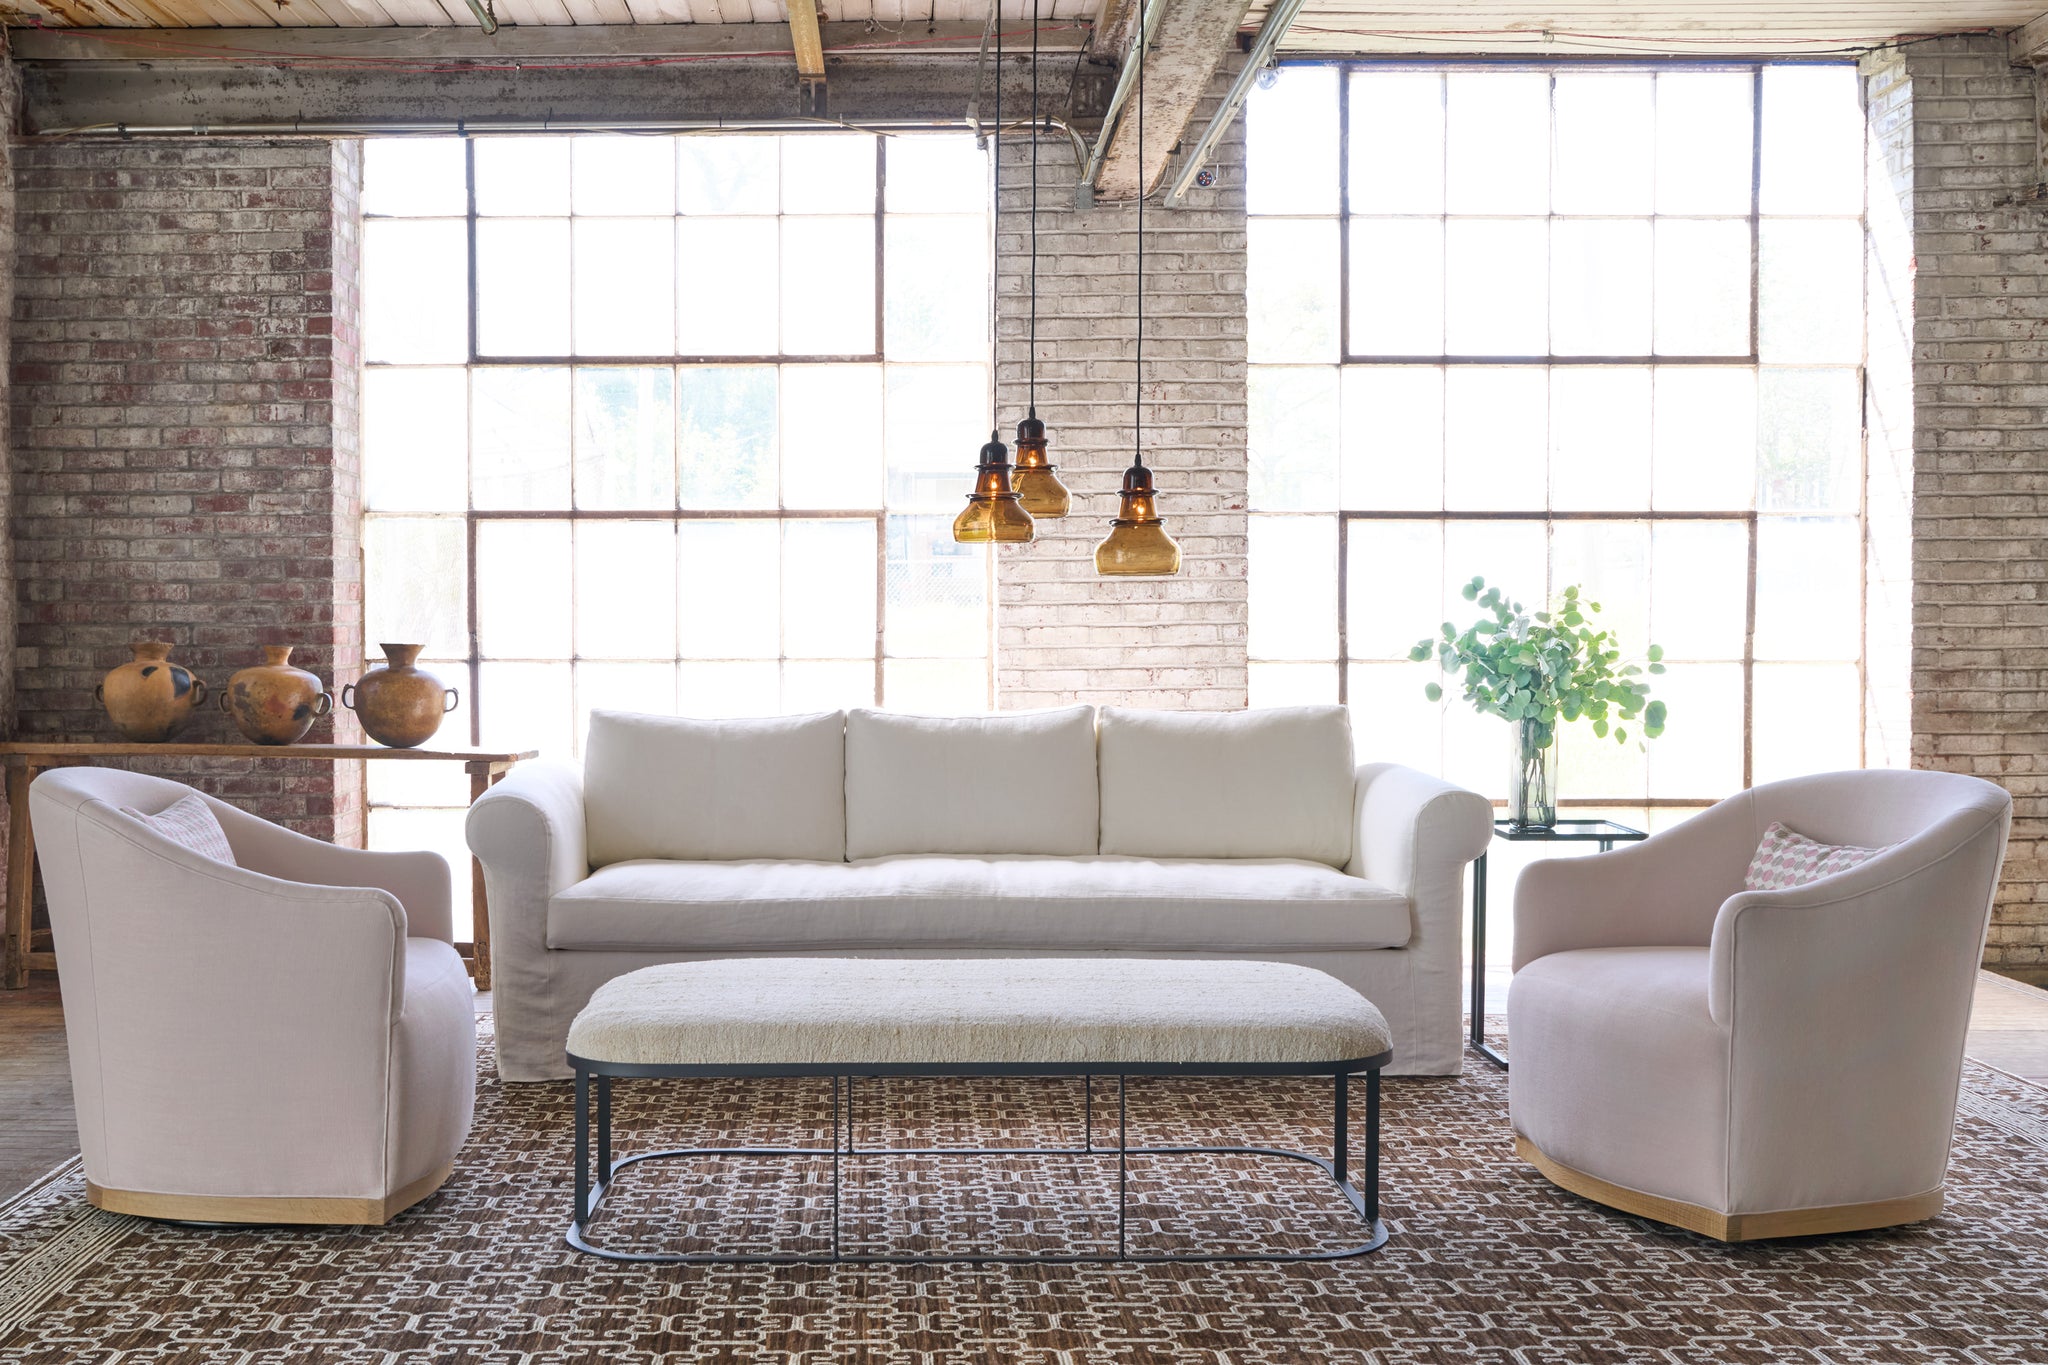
{"type": "Point", "coordinates": [672, 787]}
{"type": "Point", "coordinates": [1228, 784]}
{"type": "Point", "coordinates": [1020, 782]}
{"type": "Point", "coordinates": [1394, 875]}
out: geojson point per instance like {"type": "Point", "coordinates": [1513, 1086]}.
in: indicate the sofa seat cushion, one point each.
{"type": "Point", "coordinates": [1025, 903]}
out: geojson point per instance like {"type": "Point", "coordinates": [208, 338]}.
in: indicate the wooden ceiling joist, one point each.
{"type": "Point", "coordinates": [809, 46]}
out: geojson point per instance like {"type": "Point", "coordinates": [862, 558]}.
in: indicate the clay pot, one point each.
{"type": "Point", "coordinates": [149, 698]}
{"type": "Point", "coordinates": [398, 704]}
{"type": "Point", "coordinates": [274, 703]}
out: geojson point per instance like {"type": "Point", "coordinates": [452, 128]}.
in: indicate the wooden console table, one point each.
{"type": "Point", "coordinates": [19, 955]}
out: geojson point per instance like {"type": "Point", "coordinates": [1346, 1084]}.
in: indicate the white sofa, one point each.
{"type": "Point", "coordinates": [1055, 833]}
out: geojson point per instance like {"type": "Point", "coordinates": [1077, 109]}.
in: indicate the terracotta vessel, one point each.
{"type": "Point", "coordinates": [149, 698]}
{"type": "Point", "coordinates": [274, 703]}
{"type": "Point", "coordinates": [398, 704]}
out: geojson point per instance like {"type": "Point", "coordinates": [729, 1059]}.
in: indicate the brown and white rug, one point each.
{"type": "Point", "coordinates": [1488, 1263]}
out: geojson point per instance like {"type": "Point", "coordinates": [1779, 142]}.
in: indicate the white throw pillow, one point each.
{"type": "Point", "coordinates": [191, 823]}
{"type": "Point", "coordinates": [1022, 782]}
{"type": "Point", "coordinates": [1275, 783]}
{"type": "Point", "coordinates": [714, 790]}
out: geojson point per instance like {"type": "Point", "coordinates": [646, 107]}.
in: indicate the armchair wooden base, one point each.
{"type": "Point", "coordinates": [1732, 1227]}
{"type": "Point", "coordinates": [201, 1208]}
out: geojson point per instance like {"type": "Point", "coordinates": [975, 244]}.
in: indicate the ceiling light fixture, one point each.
{"type": "Point", "coordinates": [1137, 544]}
{"type": "Point", "coordinates": [993, 512]}
{"type": "Point", "coordinates": [1038, 482]}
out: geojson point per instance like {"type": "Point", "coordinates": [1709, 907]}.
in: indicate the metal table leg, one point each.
{"type": "Point", "coordinates": [1478, 1031]}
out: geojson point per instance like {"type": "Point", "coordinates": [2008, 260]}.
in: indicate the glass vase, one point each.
{"type": "Point", "coordinates": [1532, 779]}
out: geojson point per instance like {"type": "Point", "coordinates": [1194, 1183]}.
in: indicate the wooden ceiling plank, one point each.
{"type": "Point", "coordinates": [419, 13]}
{"type": "Point", "coordinates": [587, 12]}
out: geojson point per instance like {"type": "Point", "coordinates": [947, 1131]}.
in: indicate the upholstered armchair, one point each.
{"type": "Point", "coordinates": [1753, 1064]}
{"type": "Point", "coordinates": [285, 1038]}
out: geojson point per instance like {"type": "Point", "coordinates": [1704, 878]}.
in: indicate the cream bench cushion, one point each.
{"type": "Point", "coordinates": [998, 1011]}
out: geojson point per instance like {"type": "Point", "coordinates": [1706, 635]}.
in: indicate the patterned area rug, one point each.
{"type": "Point", "coordinates": [1487, 1263]}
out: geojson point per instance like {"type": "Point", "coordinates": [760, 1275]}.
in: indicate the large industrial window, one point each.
{"type": "Point", "coordinates": [671, 424]}
{"type": "Point", "coordinates": [1599, 325]}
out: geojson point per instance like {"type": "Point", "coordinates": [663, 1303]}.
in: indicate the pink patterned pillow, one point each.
{"type": "Point", "coordinates": [1785, 859]}
{"type": "Point", "coordinates": [190, 822]}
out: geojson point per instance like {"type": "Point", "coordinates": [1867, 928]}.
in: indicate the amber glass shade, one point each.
{"type": "Point", "coordinates": [993, 512]}
{"type": "Point", "coordinates": [1038, 482]}
{"type": "Point", "coordinates": [1137, 543]}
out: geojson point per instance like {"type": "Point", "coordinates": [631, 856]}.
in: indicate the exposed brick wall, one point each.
{"type": "Point", "coordinates": [1956, 125]}
{"type": "Point", "coordinates": [183, 423]}
{"type": "Point", "coordinates": [1064, 633]}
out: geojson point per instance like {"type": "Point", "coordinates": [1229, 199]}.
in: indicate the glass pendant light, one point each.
{"type": "Point", "coordinates": [1038, 481]}
{"type": "Point", "coordinates": [993, 512]}
{"type": "Point", "coordinates": [1137, 542]}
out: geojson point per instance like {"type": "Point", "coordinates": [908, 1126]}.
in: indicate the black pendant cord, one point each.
{"type": "Point", "coordinates": [995, 245]}
{"type": "Point", "coordinates": [1031, 361]}
{"type": "Point", "coordinates": [1138, 408]}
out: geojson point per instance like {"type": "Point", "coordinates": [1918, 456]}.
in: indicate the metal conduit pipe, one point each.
{"type": "Point", "coordinates": [1270, 33]}
{"type": "Point", "coordinates": [502, 127]}
{"type": "Point", "coordinates": [1126, 81]}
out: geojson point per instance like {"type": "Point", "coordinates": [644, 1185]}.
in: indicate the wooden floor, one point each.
{"type": "Point", "coordinates": [2008, 1030]}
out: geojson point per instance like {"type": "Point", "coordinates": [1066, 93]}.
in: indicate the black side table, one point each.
{"type": "Point", "coordinates": [1602, 832]}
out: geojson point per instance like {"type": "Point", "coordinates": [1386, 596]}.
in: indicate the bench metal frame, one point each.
{"type": "Point", "coordinates": [1363, 1196]}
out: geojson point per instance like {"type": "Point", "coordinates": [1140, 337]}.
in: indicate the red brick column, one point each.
{"type": "Point", "coordinates": [185, 385]}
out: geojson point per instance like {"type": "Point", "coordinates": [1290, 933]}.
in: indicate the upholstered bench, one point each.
{"type": "Point", "coordinates": [845, 1018]}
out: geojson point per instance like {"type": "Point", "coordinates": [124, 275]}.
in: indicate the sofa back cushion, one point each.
{"type": "Point", "coordinates": [1017, 783]}
{"type": "Point", "coordinates": [1228, 784]}
{"type": "Point", "coordinates": [672, 787]}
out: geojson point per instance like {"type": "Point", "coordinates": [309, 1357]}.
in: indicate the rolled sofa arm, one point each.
{"type": "Point", "coordinates": [1415, 834]}
{"type": "Point", "coordinates": [528, 833]}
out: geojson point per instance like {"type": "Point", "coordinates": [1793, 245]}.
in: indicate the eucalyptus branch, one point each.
{"type": "Point", "coordinates": [1545, 667]}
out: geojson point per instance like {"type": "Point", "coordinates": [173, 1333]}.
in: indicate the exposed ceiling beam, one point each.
{"type": "Point", "coordinates": [535, 42]}
{"type": "Point", "coordinates": [205, 96]}
{"type": "Point", "coordinates": [2030, 42]}
{"type": "Point", "coordinates": [1192, 40]}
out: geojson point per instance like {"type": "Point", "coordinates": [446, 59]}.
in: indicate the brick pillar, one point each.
{"type": "Point", "coordinates": [1954, 124]}
{"type": "Point", "coordinates": [183, 422]}
{"type": "Point", "coordinates": [1064, 633]}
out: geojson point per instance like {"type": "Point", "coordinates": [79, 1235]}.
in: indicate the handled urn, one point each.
{"type": "Point", "coordinates": [149, 698]}
{"type": "Point", "coordinates": [399, 705]}
{"type": "Point", "coordinates": [274, 703]}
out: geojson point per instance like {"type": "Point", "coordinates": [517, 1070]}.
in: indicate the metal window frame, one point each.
{"type": "Point", "coordinates": [1750, 518]}
{"type": "Point", "coordinates": [473, 518]}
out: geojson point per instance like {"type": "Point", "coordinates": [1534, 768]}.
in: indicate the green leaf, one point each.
{"type": "Point", "coordinates": [1654, 653]}
{"type": "Point", "coordinates": [1419, 653]}
{"type": "Point", "coordinates": [1470, 592]}
{"type": "Point", "coordinates": [1600, 728]}
{"type": "Point", "coordinates": [1620, 735]}
{"type": "Point", "coordinates": [1433, 691]}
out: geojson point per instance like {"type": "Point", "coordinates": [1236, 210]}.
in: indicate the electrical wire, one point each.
{"type": "Point", "coordinates": [1031, 360]}
{"type": "Point", "coordinates": [995, 243]}
{"type": "Point", "coordinates": [1138, 406]}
